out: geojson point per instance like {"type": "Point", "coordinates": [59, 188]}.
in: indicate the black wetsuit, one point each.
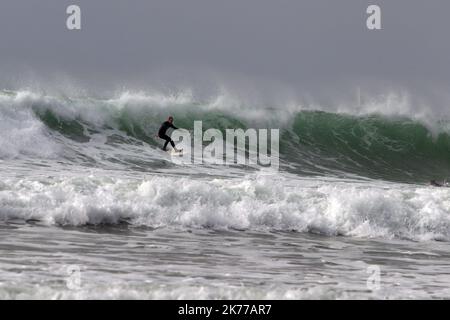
{"type": "Point", "coordinates": [162, 133]}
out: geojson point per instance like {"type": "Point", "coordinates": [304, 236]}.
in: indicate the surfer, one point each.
{"type": "Point", "coordinates": [162, 133]}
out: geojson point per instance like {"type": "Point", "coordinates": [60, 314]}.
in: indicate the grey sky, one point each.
{"type": "Point", "coordinates": [304, 44]}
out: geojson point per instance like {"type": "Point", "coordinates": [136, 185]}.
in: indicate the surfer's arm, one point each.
{"type": "Point", "coordinates": [173, 127]}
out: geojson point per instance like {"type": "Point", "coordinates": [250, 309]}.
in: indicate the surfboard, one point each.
{"type": "Point", "coordinates": [175, 153]}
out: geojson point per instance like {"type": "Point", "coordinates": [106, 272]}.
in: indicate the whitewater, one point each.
{"type": "Point", "coordinates": [85, 185]}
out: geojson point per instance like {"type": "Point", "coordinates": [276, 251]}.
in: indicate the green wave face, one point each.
{"type": "Point", "coordinates": [315, 143]}
{"type": "Point", "coordinates": [372, 146]}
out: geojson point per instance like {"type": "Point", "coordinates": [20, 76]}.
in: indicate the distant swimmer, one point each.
{"type": "Point", "coordinates": [434, 183]}
{"type": "Point", "coordinates": [162, 133]}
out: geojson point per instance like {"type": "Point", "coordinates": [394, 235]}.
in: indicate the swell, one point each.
{"type": "Point", "coordinates": [391, 148]}
{"type": "Point", "coordinates": [312, 142]}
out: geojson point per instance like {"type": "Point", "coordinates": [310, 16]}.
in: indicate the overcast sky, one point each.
{"type": "Point", "coordinates": [300, 43]}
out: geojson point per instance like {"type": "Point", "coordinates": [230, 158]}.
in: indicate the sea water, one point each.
{"type": "Point", "coordinates": [91, 209]}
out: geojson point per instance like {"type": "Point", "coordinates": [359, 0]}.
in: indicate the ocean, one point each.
{"type": "Point", "coordinates": [91, 208]}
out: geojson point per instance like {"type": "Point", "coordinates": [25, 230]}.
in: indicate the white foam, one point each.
{"type": "Point", "coordinates": [257, 202]}
{"type": "Point", "coordinates": [172, 292]}
{"type": "Point", "coordinates": [21, 132]}
{"type": "Point", "coordinates": [187, 289]}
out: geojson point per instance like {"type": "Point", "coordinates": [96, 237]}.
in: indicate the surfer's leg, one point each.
{"type": "Point", "coordinates": [167, 138]}
{"type": "Point", "coordinates": [165, 145]}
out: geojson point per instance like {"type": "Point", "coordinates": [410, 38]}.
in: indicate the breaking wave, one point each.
{"type": "Point", "coordinates": [313, 142]}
